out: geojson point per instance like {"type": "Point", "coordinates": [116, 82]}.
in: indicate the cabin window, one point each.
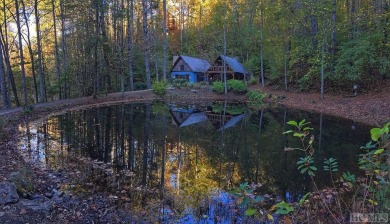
{"type": "Point", "coordinates": [186, 77]}
{"type": "Point", "coordinates": [181, 67]}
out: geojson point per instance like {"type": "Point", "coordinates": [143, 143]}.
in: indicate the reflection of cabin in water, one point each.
{"type": "Point", "coordinates": [179, 115]}
{"type": "Point", "coordinates": [233, 68]}
{"type": "Point", "coordinates": [189, 68]}
{"type": "Point", "coordinates": [223, 121]}
{"type": "Point", "coordinates": [183, 117]}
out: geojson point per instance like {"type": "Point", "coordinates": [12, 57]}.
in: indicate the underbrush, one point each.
{"type": "Point", "coordinates": [179, 83]}
{"type": "Point", "coordinates": [160, 88]}
{"type": "Point", "coordinates": [237, 86]}
{"type": "Point", "coordinates": [219, 87]}
{"type": "Point", "coordinates": [346, 196]}
{"type": "Point", "coordinates": [255, 98]}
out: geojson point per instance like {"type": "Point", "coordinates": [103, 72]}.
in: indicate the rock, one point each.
{"type": "Point", "coordinates": [57, 200]}
{"type": "Point", "coordinates": [48, 195]}
{"type": "Point", "coordinates": [24, 185]}
{"type": "Point", "coordinates": [37, 205]}
{"type": "Point", "coordinates": [8, 193]}
{"type": "Point", "coordinates": [35, 196]}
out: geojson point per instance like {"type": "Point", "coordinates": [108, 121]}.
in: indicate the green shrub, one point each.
{"type": "Point", "coordinates": [199, 85]}
{"type": "Point", "coordinates": [179, 83]}
{"type": "Point", "coordinates": [140, 86]}
{"type": "Point", "coordinates": [160, 88]}
{"type": "Point", "coordinates": [203, 83]}
{"type": "Point", "coordinates": [234, 109]}
{"type": "Point", "coordinates": [218, 87]}
{"type": "Point", "coordinates": [237, 86]}
{"type": "Point", "coordinates": [255, 97]}
{"type": "Point", "coordinates": [27, 110]}
{"type": "Point", "coordinates": [252, 81]}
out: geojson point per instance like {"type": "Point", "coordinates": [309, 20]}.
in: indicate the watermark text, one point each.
{"type": "Point", "coordinates": [369, 217]}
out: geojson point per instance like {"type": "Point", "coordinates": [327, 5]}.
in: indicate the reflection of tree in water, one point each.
{"type": "Point", "coordinates": [153, 159]}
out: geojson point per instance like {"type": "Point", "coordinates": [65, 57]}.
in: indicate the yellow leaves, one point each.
{"type": "Point", "coordinates": [373, 202]}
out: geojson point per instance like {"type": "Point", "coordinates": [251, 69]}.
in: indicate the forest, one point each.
{"type": "Point", "coordinates": [59, 49]}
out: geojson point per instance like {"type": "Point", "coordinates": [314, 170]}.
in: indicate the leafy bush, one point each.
{"type": "Point", "coordinates": [234, 109]}
{"type": "Point", "coordinates": [28, 109]}
{"type": "Point", "coordinates": [362, 57]}
{"type": "Point", "coordinates": [255, 96]}
{"type": "Point", "coordinates": [218, 87]}
{"type": "Point", "coordinates": [160, 88]}
{"type": "Point", "coordinates": [237, 86]}
{"type": "Point", "coordinates": [252, 81]}
{"type": "Point", "coordinates": [140, 86]}
{"type": "Point", "coordinates": [203, 83]}
{"type": "Point", "coordinates": [345, 193]}
{"type": "Point", "coordinates": [371, 192]}
{"type": "Point", "coordinates": [180, 83]}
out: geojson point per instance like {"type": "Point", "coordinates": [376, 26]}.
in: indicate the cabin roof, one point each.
{"type": "Point", "coordinates": [234, 64]}
{"type": "Point", "coordinates": [232, 122]}
{"type": "Point", "coordinates": [194, 119]}
{"type": "Point", "coordinates": [196, 64]}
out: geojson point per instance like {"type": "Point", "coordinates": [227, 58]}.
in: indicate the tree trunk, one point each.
{"type": "Point", "coordinates": [333, 29]}
{"type": "Point", "coordinates": [130, 30]}
{"type": "Point", "coordinates": [262, 44]}
{"type": "Point", "coordinates": [106, 49]}
{"type": "Point", "coordinates": [131, 154]}
{"type": "Point", "coordinates": [57, 58]}
{"type": "Point", "coordinates": [29, 46]}
{"type": "Point", "coordinates": [314, 30]}
{"type": "Point", "coordinates": [323, 63]}
{"type": "Point", "coordinates": [107, 135]}
{"type": "Point", "coordinates": [42, 94]}
{"type": "Point", "coordinates": [224, 55]}
{"type": "Point", "coordinates": [122, 46]}
{"type": "Point", "coordinates": [145, 145]}
{"type": "Point", "coordinates": [96, 73]}
{"type": "Point", "coordinates": [3, 85]}
{"type": "Point", "coordinates": [153, 24]}
{"type": "Point", "coordinates": [181, 18]}
{"type": "Point", "coordinates": [286, 57]}
{"type": "Point", "coordinates": [352, 18]}
{"type": "Point", "coordinates": [164, 64]}
{"type": "Point", "coordinates": [64, 63]}
{"type": "Point", "coordinates": [145, 9]}
{"type": "Point", "coordinates": [22, 69]}
{"type": "Point", "coordinates": [10, 74]}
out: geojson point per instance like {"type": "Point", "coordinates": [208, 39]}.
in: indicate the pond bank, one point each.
{"type": "Point", "coordinates": [48, 205]}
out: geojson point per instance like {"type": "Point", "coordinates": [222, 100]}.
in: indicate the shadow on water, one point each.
{"type": "Point", "coordinates": [177, 163]}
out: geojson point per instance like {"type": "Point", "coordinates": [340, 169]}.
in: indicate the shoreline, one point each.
{"type": "Point", "coordinates": [366, 109]}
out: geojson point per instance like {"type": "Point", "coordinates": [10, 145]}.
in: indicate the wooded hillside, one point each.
{"type": "Point", "coordinates": [57, 49]}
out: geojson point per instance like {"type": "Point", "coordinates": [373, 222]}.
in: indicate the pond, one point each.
{"type": "Point", "coordinates": [179, 162]}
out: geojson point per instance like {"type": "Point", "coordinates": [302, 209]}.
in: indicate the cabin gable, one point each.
{"type": "Point", "coordinates": [230, 66]}
{"type": "Point", "coordinates": [190, 69]}
{"type": "Point", "coordinates": [181, 66]}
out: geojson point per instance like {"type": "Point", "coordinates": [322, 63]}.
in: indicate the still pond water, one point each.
{"type": "Point", "coordinates": [178, 162]}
